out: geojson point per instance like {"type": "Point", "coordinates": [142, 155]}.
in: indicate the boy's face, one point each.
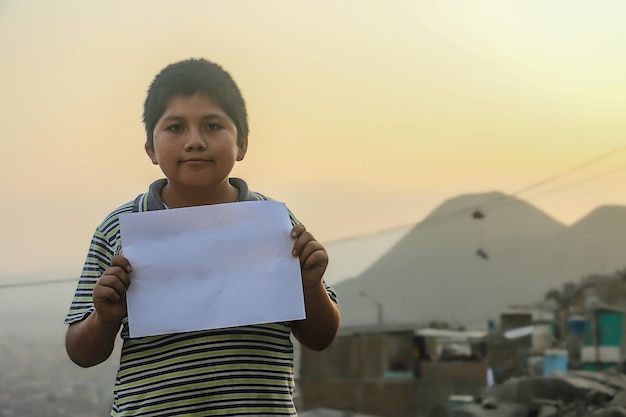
{"type": "Point", "coordinates": [195, 143]}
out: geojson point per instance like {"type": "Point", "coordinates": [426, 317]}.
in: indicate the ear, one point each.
{"type": "Point", "coordinates": [242, 149]}
{"type": "Point", "coordinates": [150, 153]}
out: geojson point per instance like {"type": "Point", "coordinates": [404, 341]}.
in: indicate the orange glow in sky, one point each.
{"type": "Point", "coordinates": [364, 115]}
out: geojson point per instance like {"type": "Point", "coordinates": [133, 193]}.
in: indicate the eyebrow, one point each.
{"type": "Point", "coordinates": [212, 116]}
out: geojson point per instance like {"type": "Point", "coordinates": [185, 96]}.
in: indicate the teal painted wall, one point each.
{"type": "Point", "coordinates": [611, 329]}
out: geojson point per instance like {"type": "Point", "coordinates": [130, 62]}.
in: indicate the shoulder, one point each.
{"type": "Point", "coordinates": [111, 221]}
{"type": "Point", "coordinates": [245, 194]}
{"type": "Point", "coordinates": [261, 197]}
{"type": "Point", "coordinates": [255, 196]}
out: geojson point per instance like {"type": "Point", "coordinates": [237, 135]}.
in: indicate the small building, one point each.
{"type": "Point", "coordinates": [395, 370]}
{"type": "Point", "coordinates": [604, 345]}
{"type": "Point", "coordinates": [595, 324]}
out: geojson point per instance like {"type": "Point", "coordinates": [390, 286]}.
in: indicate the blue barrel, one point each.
{"type": "Point", "coordinates": [576, 326]}
{"type": "Point", "coordinates": [554, 360]}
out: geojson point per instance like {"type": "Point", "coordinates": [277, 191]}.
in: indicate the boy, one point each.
{"type": "Point", "coordinates": [196, 126]}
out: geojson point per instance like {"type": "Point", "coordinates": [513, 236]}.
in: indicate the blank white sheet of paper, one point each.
{"type": "Point", "coordinates": [210, 267]}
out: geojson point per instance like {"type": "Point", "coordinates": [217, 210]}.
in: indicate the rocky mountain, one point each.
{"type": "Point", "coordinates": [477, 254]}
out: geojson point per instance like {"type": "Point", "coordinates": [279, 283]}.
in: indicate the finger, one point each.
{"type": "Point", "coordinates": [315, 259]}
{"type": "Point", "coordinates": [302, 240]}
{"type": "Point", "coordinates": [117, 273]}
{"type": "Point", "coordinates": [117, 283]}
{"type": "Point", "coordinates": [297, 230]}
{"type": "Point", "coordinates": [108, 294]}
{"type": "Point", "coordinates": [122, 262]}
{"type": "Point", "coordinates": [313, 254]}
{"type": "Point", "coordinates": [309, 247]}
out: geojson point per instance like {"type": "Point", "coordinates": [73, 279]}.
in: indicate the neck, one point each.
{"type": "Point", "coordinates": [176, 197]}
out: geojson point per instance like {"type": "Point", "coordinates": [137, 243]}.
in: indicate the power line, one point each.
{"type": "Point", "coordinates": [581, 181]}
{"type": "Point", "coordinates": [548, 180]}
{"type": "Point", "coordinates": [504, 201]}
{"type": "Point", "coordinates": [577, 168]}
{"type": "Point", "coordinates": [464, 211]}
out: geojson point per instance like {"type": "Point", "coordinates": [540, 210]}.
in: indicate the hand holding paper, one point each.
{"type": "Point", "coordinates": [209, 267]}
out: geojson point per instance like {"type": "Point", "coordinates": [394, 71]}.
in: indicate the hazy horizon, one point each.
{"type": "Point", "coordinates": [364, 116]}
{"type": "Point", "coordinates": [343, 265]}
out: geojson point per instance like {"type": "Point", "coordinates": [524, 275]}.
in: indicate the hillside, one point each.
{"type": "Point", "coordinates": [434, 273]}
{"type": "Point", "coordinates": [350, 257]}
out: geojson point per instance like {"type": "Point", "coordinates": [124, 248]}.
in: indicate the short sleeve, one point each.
{"type": "Point", "coordinates": [101, 250]}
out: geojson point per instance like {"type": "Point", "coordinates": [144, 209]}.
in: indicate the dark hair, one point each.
{"type": "Point", "coordinates": [189, 77]}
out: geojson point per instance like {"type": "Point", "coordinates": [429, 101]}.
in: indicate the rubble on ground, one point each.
{"type": "Point", "coordinates": [561, 394]}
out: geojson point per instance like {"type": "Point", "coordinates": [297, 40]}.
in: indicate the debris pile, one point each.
{"type": "Point", "coordinates": [561, 394]}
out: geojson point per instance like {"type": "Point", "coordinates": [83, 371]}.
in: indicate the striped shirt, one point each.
{"type": "Point", "coordinates": [240, 371]}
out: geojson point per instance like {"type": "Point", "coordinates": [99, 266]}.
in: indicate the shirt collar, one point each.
{"type": "Point", "coordinates": [154, 201]}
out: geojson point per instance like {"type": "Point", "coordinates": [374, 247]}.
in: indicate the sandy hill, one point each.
{"type": "Point", "coordinates": [434, 272]}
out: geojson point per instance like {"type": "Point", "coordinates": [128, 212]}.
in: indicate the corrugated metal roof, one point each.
{"type": "Point", "coordinates": [381, 328]}
{"type": "Point", "coordinates": [451, 334]}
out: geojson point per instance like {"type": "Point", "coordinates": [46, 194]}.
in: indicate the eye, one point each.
{"type": "Point", "coordinates": [176, 127]}
{"type": "Point", "coordinates": [213, 126]}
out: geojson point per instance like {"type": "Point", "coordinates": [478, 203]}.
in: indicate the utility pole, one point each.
{"type": "Point", "coordinates": [379, 306]}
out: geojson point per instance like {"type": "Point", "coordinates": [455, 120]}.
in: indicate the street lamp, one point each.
{"type": "Point", "coordinates": [379, 306]}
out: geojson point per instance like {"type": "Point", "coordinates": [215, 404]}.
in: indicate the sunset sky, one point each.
{"type": "Point", "coordinates": [364, 115]}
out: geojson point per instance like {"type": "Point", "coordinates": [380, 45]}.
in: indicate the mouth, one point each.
{"type": "Point", "coordinates": [195, 161]}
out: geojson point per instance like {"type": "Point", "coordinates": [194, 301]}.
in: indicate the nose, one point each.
{"type": "Point", "coordinates": [194, 140]}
